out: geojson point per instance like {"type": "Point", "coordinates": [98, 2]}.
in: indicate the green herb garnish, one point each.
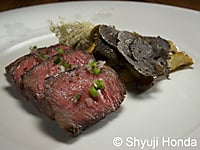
{"type": "Point", "coordinates": [34, 48]}
{"type": "Point", "coordinates": [99, 84]}
{"type": "Point", "coordinates": [60, 51]}
{"type": "Point", "coordinates": [66, 65]}
{"type": "Point", "coordinates": [57, 60]}
{"type": "Point", "coordinates": [76, 98]}
{"type": "Point", "coordinates": [43, 57]}
{"type": "Point", "coordinates": [96, 71]}
{"type": "Point", "coordinates": [93, 91]}
{"type": "Point", "coordinates": [93, 66]}
{"type": "Point", "coordinates": [34, 51]}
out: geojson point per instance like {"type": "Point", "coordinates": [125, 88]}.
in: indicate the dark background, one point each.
{"type": "Point", "coordinates": [11, 4]}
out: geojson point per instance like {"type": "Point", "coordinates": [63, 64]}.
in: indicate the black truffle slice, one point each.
{"type": "Point", "coordinates": [144, 57]}
{"type": "Point", "coordinates": [109, 34]}
{"type": "Point", "coordinates": [148, 57]}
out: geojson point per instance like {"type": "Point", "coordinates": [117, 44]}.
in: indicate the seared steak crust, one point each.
{"type": "Point", "coordinates": [16, 69]}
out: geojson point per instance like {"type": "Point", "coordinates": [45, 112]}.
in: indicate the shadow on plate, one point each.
{"type": "Point", "coordinates": [51, 127]}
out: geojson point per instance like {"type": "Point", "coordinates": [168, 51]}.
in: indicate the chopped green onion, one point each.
{"type": "Point", "coordinates": [93, 91]}
{"type": "Point", "coordinates": [93, 67]}
{"type": "Point", "coordinates": [57, 60]}
{"type": "Point", "coordinates": [93, 64]}
{"type": "Point", "coordinates": [76, 97]}
{"type": "Point", "coordinates": [34, 48]}
{"type": "Point", "coordinates": [96, 71]}
{"type": "Point", "coordinates": [43, 57]}
{"type": "Point", "coordinates": [99, 84]}
{"type": "Point", "coordinates": [60, 51]}
{"type": "Point", "coordinates": [66, 65]}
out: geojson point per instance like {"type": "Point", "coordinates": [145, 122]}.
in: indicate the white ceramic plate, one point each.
{"type": "Point", "coordinates": [170, 109]}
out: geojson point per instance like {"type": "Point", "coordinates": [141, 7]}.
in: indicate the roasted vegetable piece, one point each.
{"type": "Point", "coordinates": [178, 59]}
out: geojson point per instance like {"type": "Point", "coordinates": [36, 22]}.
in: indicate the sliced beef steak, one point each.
{"type": "Point", "coordinates": [68, 86]}
{"type": "Point", "coordinates": [33, 79]}
{"type": "Point", "coordinates": [74, 105]}
{"type": "Point", "coordinates": [17, 68]}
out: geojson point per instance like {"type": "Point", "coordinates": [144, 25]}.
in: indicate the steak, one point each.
{"type": "Point", "coordinates": [68, 86]}
{"type": "Point", "coordinates": [73, 105]}
{"type": "Point", "coordinates": [16, 69]}
{"type": "Point", "coordinates": [33, 79]}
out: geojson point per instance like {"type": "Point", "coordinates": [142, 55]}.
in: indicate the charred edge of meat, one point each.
{"type": "Point", "coordinates": [16, 69]}
{"type": "Point", "coordinates": [44, 50]}
{"type": "Point", "coordinates": [12, 66]}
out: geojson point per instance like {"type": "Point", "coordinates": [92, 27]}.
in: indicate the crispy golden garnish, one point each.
{"type": "Point", "coordinates": [75, 34]}
{"type": "Point", "coordinates": [178, 59]}
{"type": "Point", "coordinates": [90, 48]}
